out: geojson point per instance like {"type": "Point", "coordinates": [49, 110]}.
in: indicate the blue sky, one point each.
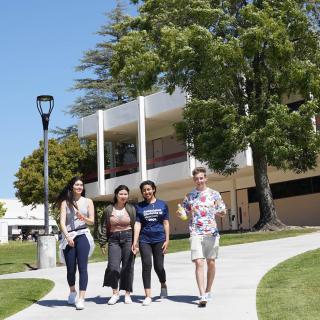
{"type": "Point", "coordinates": [42, 42]}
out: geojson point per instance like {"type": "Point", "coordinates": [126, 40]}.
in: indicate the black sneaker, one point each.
{"type": "Point", "coordinates": [163, 292]}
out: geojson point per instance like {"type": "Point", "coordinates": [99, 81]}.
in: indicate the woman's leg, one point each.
{"type": "Point", "coordinates": [112, 273]}
{"type": "Point", "coordinates": [70, 258]}
{"type": "Point", "coordinates": [82, 247]}
{"type": "Point", "coordinates": [158, 262]}
{"type": "Point", "coordinates": [146, 253]}
{"type": "Point", "coordinates": [127, 258]}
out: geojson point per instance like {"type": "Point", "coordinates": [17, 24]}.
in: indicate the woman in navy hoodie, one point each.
{"type": "Point", "coordinates": [152, 230]}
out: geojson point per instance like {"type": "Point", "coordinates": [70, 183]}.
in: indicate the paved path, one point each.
{"type": "Point", "coordinates": [239, 270]}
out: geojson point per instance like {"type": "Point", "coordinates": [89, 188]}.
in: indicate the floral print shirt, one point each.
{"type": "Point", "coordinates": [202, 207]}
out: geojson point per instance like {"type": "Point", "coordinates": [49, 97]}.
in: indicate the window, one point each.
{"type": "Point", "coordinates": [289, 188]}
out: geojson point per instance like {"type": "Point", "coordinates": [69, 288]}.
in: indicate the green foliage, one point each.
{"type": "Point", "coordinates": [3, 209]}
{"type": "Point", "coordinates": [236, 60]}
{"type": "Point", "coordinates": [67, 158]}
{"type": "Point", "coordinates": [101, 91]}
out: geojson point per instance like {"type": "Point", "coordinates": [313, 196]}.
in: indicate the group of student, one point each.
{"type": "Point", "coordinates": [128, 229]}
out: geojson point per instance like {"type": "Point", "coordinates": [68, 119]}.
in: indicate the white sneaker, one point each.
{"type": "Point", "coordinates": [127, 299]}
{"type": "Point", "coordinates": [72, 297]}
{"type": "Point", "coordinates": [209, 296]}
{"type": "Point", "coordinates": [202, 302]}
{"type": "Point", "coordinates": [80, 304]}
{"type": "Point", "coordinates": [114, 299]}
{"type": "Point", "coordinates": [147, 301]}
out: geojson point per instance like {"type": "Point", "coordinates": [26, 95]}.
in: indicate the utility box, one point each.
{"type": "Point", "coordinates": [3, 231]}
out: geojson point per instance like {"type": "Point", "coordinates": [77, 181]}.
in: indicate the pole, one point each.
{"type": "Point", "coordinates": [46, 180]}
{"type": "Point", "coordinates": [45, 123]}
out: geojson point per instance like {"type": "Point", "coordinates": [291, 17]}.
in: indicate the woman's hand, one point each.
{"type": "Point", "coordinates": [70, 242]}
{"type": "Point", "coordinates": [165, 247]}
{"type": "Point", "coordinates": [134, 248]}
{"type": "Point", "coordinates": [79, 216]}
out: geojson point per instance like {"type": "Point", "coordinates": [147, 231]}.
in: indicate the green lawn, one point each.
{"type": "Point", "coordinates": [291, 290]}
{"type": "Point", "coordinates": [17, 294]}
{"type": "Point", "coordinates": [245, 237]}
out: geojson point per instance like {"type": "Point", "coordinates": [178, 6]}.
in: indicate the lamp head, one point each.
{"type": "Point", "coordinates": [45, 98]}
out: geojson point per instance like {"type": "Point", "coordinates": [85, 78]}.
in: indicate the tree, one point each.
{"type": "Point", "coordinates": [102, 91]}
{"type": "Point", "coordinates": [237, 60]}
{"type": "Point", "coordinates": [3, 209]}
{"type": "Point", "coordinates": [67, 159]}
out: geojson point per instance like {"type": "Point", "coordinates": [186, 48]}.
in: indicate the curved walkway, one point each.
{"type": "Point", "coordinates": [239, 270]}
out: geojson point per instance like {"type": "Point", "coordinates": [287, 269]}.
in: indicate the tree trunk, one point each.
{"type": "Point", "coordinates": [268, 216]}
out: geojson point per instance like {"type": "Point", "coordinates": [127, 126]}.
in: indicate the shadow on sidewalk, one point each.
{"type": "Point", "coordinates": [104, 300]}
{"type": "Point", "coordinates": [53, 303]}
{"type": "Point", "coordinates": [183, 299]}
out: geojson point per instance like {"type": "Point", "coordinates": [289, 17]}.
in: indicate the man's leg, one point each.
{"type": "Point", "coordinates": [199, 263]}
{"type": "Point", "coordinates": [211, 264]}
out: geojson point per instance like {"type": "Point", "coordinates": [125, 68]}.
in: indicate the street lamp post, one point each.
{"type": "Point", "coordinates": [46, 243]}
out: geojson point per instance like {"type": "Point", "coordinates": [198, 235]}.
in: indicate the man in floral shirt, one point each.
{"type": "Point", "coordinates": [202, 205]}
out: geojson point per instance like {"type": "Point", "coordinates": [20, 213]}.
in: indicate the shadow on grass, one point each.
{"type": "Point", "coordinates": [30, 267]}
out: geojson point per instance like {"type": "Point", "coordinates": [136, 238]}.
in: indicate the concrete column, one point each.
{"type": "Point", "coordinates": [112, 160]}
{"type": "Point", "coordinates": [234, 206]}
{"type": "Point", "coordinates": [3, 231]}
{"type": "Point", "coordinates": [142, 139]}
{"type": "Point", "coordinates": [46, 252]}
{"type": "Point", "coordinates": [100, 152]}
{"type": "Point", "coordinates": [191, 164]}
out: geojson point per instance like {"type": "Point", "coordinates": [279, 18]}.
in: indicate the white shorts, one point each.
{"type": "Point", "coordinates": [204, 247]}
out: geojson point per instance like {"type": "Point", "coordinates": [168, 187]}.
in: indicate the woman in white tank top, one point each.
{"type": "Point", "coordinates": [76, 213]}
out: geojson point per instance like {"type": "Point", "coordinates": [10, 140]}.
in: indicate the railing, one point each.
{"type": "Point", "coordinates": [133, 167]}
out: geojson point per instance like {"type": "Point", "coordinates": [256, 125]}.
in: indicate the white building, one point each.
{"type": "Point", "coordinates": [24, 220]}
{"type": "Point", "coordinates": [147, 123]}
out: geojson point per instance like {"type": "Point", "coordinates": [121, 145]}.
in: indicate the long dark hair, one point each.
{"type": "Point", "coordinates": [67, 193]}
{"type": "Point", "coordinates": [117, 190]}
{"type": "Point", "coordinates": [149, 183]}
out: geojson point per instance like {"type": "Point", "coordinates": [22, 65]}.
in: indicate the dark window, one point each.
{"type": "Point", "coordinates": [294, 106]}
{"type": "Point", "coordinates": [299, 187]}
{"type": "Point", "coordinates": [315, 184]}
{"type": "Point", "coordinates": [279, 190]}
{"type": "Point", "coordinates": [289, 189]}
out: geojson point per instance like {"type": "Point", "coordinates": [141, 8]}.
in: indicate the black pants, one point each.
{"type": "Point", "coordinates": [120, 254]}
{"type": "Point", "coordinates": [77, 255]}
{"type": "Point", "coordinates": [148, 250]}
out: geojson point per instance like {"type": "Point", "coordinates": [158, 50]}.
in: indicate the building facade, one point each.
{"type": "Point", "coordinates": [25, 220]}
{"type": "Point", "coordinates": [141, 143]}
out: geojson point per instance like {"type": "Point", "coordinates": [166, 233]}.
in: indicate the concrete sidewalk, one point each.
{"type": "Point", "coordinates": [239, 270]}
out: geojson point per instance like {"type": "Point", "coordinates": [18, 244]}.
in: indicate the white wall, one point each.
{"type": "Point", "coordinates": [3, 231]}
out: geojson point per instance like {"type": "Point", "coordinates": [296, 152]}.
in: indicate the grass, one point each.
{"type": "Point", "coordinates": [22, 256]}
{"type": "Point", "coordinates": [245, 237]}
{"type": "Point", "coordinates": [291, 290]}
{"type": "Point", "coordinates": [17, 294]}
